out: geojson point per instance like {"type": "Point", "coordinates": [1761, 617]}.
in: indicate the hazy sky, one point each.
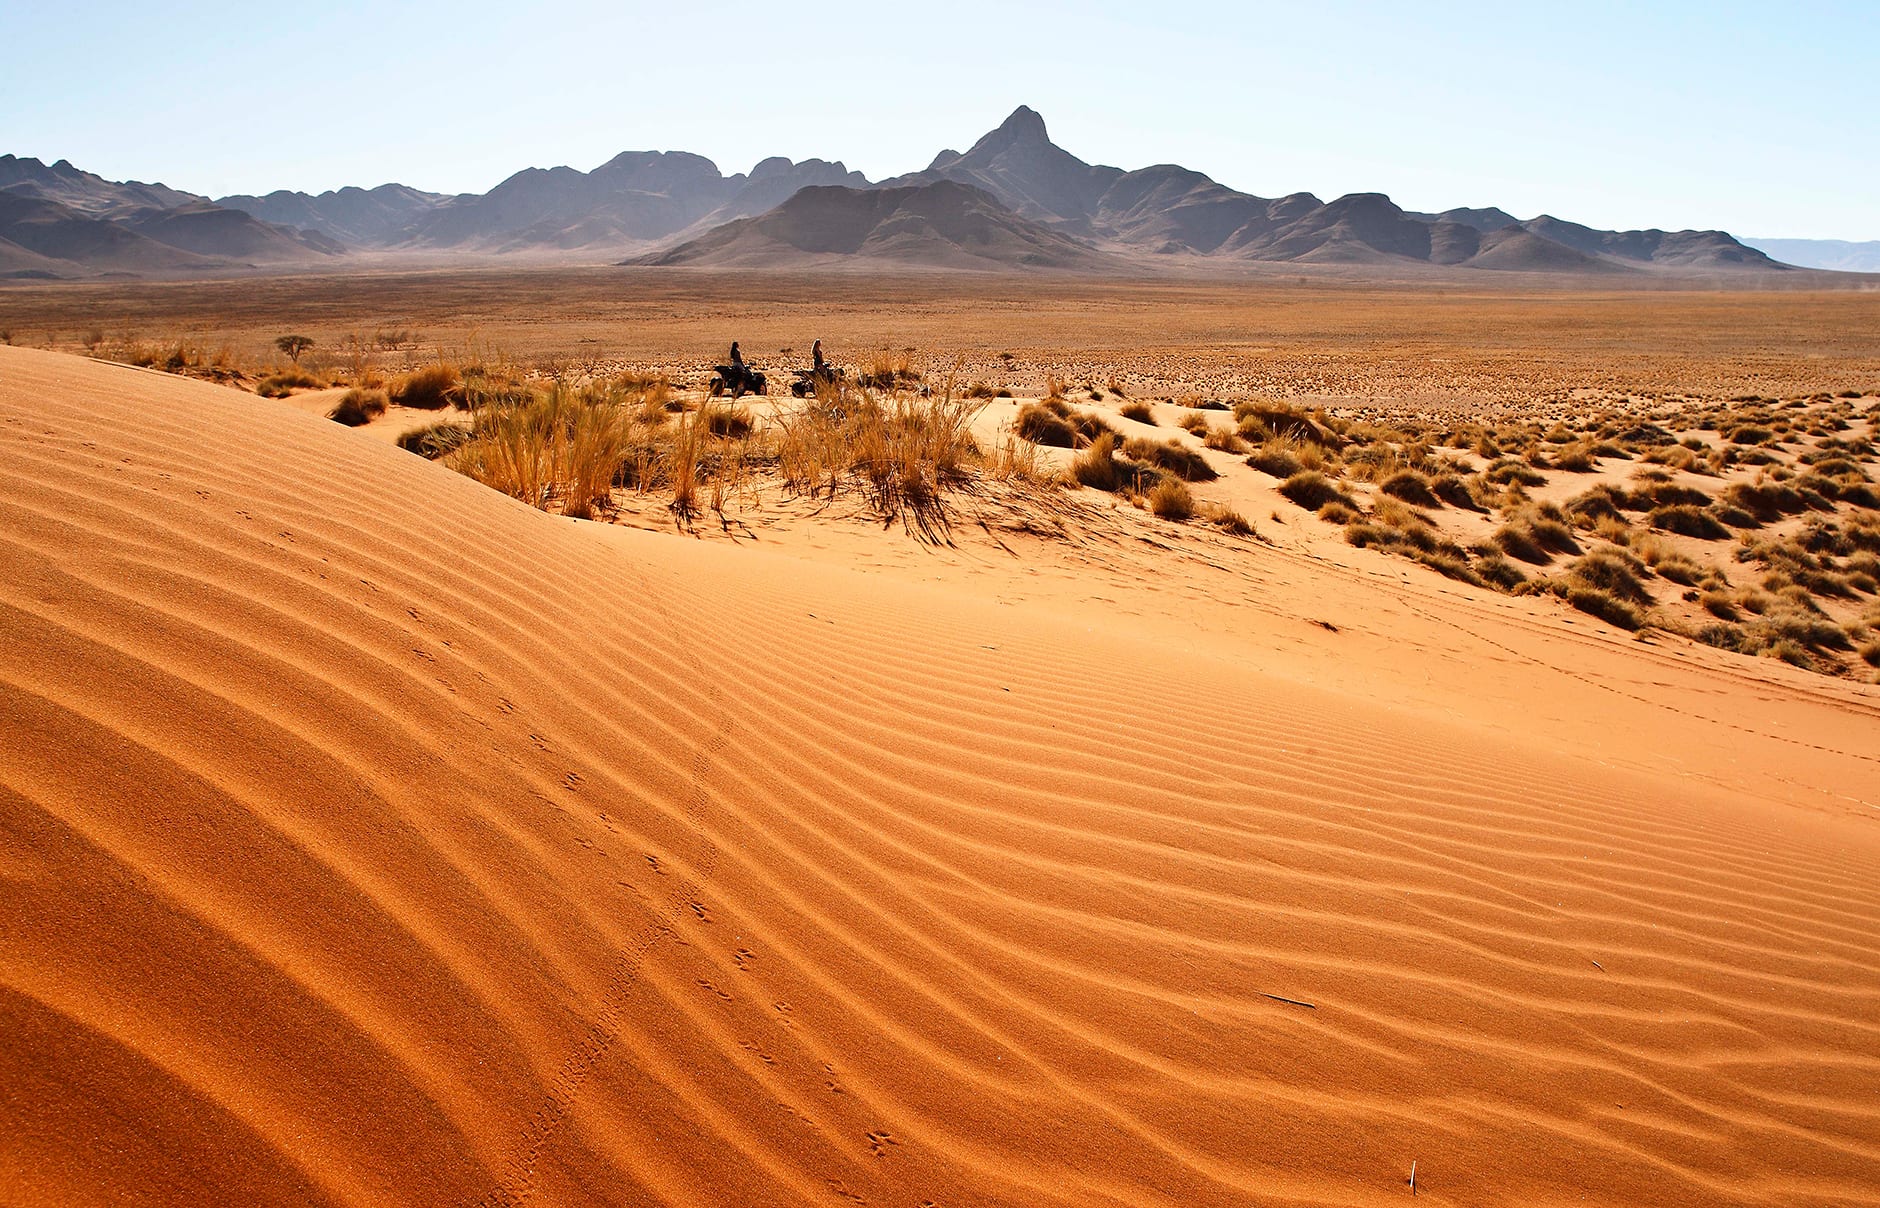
{"type": "Point", "coordinates": [1760, 119]}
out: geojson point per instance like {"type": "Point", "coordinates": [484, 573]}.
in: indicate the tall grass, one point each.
{"type": "Point", "coordinates": [901, 451]}
{"type": "Point", "coordinates": [564, 448]}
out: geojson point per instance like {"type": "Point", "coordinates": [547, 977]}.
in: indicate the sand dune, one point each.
{"type": "Point", "coordinates": [367, 837]}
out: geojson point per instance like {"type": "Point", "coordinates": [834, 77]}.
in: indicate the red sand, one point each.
{"type": "Point", "coordinates": [368, 837]}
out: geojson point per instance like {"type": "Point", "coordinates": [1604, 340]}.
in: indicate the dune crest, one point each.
{"type": "Point", "coordinates": [369, 837]}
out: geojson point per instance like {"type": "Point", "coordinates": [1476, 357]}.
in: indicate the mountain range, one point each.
{"type": "Point", "coordinates": [1013, 201]}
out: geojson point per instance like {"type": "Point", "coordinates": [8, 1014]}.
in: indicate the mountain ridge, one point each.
{"type": "Point", "coordinates": [645, 204]}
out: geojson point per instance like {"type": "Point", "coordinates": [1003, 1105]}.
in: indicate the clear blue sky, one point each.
{"type": "Point", "coordinates": [1760, 119]}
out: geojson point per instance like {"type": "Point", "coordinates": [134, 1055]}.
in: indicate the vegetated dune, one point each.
{"type": "Point", "coordinates": [369, 837]}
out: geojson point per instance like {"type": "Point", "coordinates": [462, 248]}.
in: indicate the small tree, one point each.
{"type": "Point", "coordinates": [293, 346]}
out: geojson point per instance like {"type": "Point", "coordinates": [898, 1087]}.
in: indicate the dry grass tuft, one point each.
{"type": "Point", "coordinates": [280, 385]}
{"type": "Point", "coordinates": [430, 389]}
{"type": "Point", "coordinates": [357, 407]}
{"type": "Point", "coordinates": [1171, 499]}
{"type": "Point", "coordinates": [1174, 457]}
{"type": "Point", "coordinates": [1053, 423]}
{"type": "Point", "coordinates": [1312, 490]}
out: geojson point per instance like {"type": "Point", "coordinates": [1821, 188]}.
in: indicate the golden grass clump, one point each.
{"type": "Point", "coordinates": [357, 407]}
{"type": "Point", "coordinates": [902, 452]}
{"type": "Point", "coordinates": [1053, 422]}
{"type": "Point", "coordinates": [1173, 457]}
{"type": "Point", "coordinates": [429, 389]}
{"type": "Point", "coordinates": [566, 448]}
{"type": "Point", "coordinates": [1171, 499]}
{"type": "Point", "coordinates": [280, 385]}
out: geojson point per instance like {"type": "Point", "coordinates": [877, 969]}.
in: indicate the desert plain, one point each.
{"type": "Point", "coordinates": [1380, 740]}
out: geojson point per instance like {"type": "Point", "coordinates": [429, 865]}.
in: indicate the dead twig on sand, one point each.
{"type": "Point", "coordinates": [1293, 1001]}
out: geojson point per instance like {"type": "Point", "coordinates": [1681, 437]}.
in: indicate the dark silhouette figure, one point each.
{"type": "Point", "coordinates": [815, 358]}
{"type": "Point", "coordinates": [737, 358]}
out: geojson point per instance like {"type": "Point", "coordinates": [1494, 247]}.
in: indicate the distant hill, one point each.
{"type": "Point", "coordinates": [674, 207]}
{"type": "Point", "coordinates": [52, 238]}
{"type": "Point", "coordinates": [635, 199]}
{"type": "Point", "coordinates": [209, 230]}
{"type": "Point", "coordinates": [942, 224]}
{"type": "Point", "coordinates": [362, 217]}
{"type": "Point", "coordinates": [1836, 254]}
{"type": "Point", "coordinates": [83, 191]}
{"type": "Point", "coordinates": [83, 244]}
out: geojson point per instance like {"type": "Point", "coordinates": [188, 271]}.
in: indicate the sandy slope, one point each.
{"type": "Point", "coordinates": [367, 837]}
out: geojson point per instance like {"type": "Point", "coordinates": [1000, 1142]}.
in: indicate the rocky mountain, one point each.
{"type": "Point", "coordinates": [1020, 187]}
{"type": "Point", "coordinates": [941, 224]}
{"type": "Point", "coordinates": [61, 221]}
{"type": "Point", "coordinates": [1027, 172]}
{"type": "Point", "coordinates": [83, 191]}
{"type": "Point", "coordinates": [68, 242]}
{"type": "Point", "coordinates": [634, 199]}
{"type": "Point", "coordinates": [352, 215]}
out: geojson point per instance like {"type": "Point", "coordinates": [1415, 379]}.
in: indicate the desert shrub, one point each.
{"type": "Point", "coordinates": [1598, 502]}
{"type": "Point", "coordinates": [1508, 470]}
{"type": "Point", "coordinates": [566, 447]}
{"type": "Point", "coordinates": [1766, 501]}
{"type": "Point", "coordinates": [1224, 440]}
{"type": "Point", "coordinates": [1719, 604]}
{"type": "Point", "coordinates": [1042, 426]}
{"type": "Point", "coordinates": [1053, 423]}
{"type": "Point", "coordinates": [887, 369]}
{"type": "Point", "coordinates": [1676, 456]}
{"type": "Point", "coordinates": [1312, 490]}
{"type": "Point", "coordinates": [1612, 571]}
{"type": "Point", "coordinates": [1173, 456]}
{"type": "Point", "coordinates": [1576, 459]}
{"type": "Point", "coordinates": [1099, 467]}
{"type": "Point", "coordinates": [1870, 654]}
{"type": "Point", "coordinates": [1454, 491]}
{"type": "Point", "coordinates": [1806, 630]}
{"type": "Point", "coordinates": [434, 440]}
{"type": "Point", "coordinates": [1228, 520]}
{"type": "Point", "coordinates": [1606, 606]}
{"type": "Point", "coordinates": [280, 385]}
{"type": "Point", "coordinates": [1171, 499]}
{"type": "Point", "coordinates": [357, 407]}
{"type": "Point", "coordinates": [980, 390]}
{"type": "Point", "coordinates": [1722, 636]}
{"type": "Point", "coordinates": [1499, 572]}
{"type": "Point", "coordinates": [1658, 490]}
{"type": "Point", "coordinates": [1688, 521]}
{"type": "Point", "coordinates": [1750, 434]}
{"type": "Point", "coordinates": [1450, 564]}
{"type": "Point", "coordinates": [1411, 487]}
{"type": "Point", "coordinates": [1195, 424]}
{"type": "Point", "coordinates": [1336, 512]}
{"type": "Point", "coordinates": [733, 422]}
{"type": "Point", "coordinates": [1139, 412]}
{"type": "Point", "coordinates": [1276, 458]}
{"type": "Point", "coordinates": [1536, 533]}
{"type": "Point", "coordinates": [429, 389]}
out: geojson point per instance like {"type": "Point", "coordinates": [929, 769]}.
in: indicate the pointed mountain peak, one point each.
{"type": "Point", "coordinates": [1023, 129]}
{"type": "Point", "coordinates": [1025, 124]}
